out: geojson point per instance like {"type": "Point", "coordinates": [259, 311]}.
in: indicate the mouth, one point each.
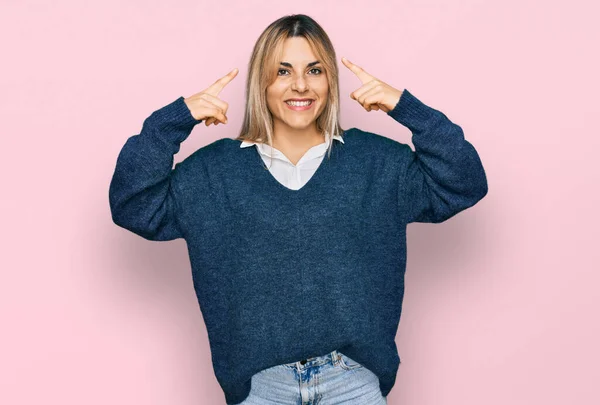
{"type": "Point", "coordinates": [298, 105]}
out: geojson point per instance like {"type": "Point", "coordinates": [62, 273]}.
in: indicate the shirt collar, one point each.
{"type": "Point", "coordinates": [245, 144]}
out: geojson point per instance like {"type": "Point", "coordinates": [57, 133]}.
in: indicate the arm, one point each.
{"type": "Point", "coordinates": [444, 174]}
{"type": "Point", "coordinates": [143, 189]}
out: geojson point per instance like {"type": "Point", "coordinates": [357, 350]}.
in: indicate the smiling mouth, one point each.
{"type": "Point", "coordinates": [299, 106]}
{"type": "Point", "coordinates": [299, 103]}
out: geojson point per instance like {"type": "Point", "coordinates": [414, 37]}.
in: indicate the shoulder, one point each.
{"type": "Point", "coordinates": [366, 141]}
{"type": "Point", "coordinates": [209, 153]}
{"type": "Point", "coordinates": [205, 160]}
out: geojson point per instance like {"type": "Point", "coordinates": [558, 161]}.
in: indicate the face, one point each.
{"type": "Point", "coordinates": [297, 77]}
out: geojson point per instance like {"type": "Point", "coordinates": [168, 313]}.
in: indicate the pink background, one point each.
{"type": "Point", "coordinates": [502, 301]}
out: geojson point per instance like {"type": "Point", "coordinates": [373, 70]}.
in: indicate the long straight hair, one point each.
{"type": "Point", "coordinates": [262, 71]}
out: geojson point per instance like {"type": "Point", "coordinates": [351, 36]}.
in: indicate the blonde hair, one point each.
{"type": "Point", "coordinates": [258, 121]}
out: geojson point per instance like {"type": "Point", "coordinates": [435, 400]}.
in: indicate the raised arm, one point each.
{"type": "Point", "coordinates": [444, 175]}
{"type": "Point", "coordinates": [143, 189]}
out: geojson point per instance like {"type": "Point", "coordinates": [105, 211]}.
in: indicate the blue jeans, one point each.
{"type": "Point", "coordinates": [330, 379]}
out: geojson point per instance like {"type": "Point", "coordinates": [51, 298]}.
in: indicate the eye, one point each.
{"type": "Point", "coordinates": [285, 70]}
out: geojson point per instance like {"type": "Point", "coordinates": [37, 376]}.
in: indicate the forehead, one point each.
{"type": "Point", "coordinates": [297, 50]}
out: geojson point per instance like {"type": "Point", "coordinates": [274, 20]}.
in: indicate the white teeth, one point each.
{"type": "Point", "coordinates": [299, 103]}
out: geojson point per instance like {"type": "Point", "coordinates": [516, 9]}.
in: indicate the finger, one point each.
{"type": "Point", "coordinates": [216, 120]}
{"type": "Point", "coordinates": [218, 115]}
{"type": "Point", "coordinates": [371, 98]}
{"type": "Point", "coordinates": [218, 86]}
{"type": "Point", "coordinates": [213, 120]}
{"type": "Point", "coordinates": [367, 91]}
{"type": "Point", "coordinates": [358, 71]}
{"type": "Point", "coordinates": [213, 110]}
{"type": "Point", "coordinates": [359, 93]}
{"type": "Point", "coordinates": [373, 95]}
{"type": "Point", "coordinates": [216, 101]}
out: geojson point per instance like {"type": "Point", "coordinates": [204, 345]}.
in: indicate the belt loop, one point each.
{"type": "Point", "coordinates": [334, 357]}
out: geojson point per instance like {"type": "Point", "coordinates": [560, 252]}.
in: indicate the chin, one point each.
{"type": "Point", "coordinates": [305, 125]}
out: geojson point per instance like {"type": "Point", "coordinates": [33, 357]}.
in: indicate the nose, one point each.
{"type": "Point", "coordinates": [299, 84]}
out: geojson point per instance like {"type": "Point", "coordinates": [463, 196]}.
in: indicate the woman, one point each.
{"type": "Point", "coordinates": [299, 268]}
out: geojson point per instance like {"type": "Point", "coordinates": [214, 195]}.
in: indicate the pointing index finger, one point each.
{"type": "Point", "coordinates": [358, 71]}
{"type": "Point", "coordinates": [218, 86]}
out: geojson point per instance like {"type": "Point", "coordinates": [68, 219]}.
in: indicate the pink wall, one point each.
{"type": "Point", "coordinates": [501, 302]}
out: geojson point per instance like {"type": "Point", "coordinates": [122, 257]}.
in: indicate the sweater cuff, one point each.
{"type": "Point", "coordinates": [409, 111]}
{"type": "Point", "coordinates": [176, 114]}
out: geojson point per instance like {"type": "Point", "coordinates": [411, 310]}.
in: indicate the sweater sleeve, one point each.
{"type": "Point", "coordinates": [444, 174]}
{"type": "Point", "coordinates": [143, 189]}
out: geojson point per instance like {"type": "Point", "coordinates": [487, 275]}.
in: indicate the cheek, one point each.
{"type": "Point", "coordinates": [274, 97]}
{"type": "Point", "coordinates": [323, 90]}
{"type": "Point", "coordinates": [324, 96]}
{"type": "Point", "coordinates": [272, 100]}
{"type": "Point", "coordinates": [275, 90]}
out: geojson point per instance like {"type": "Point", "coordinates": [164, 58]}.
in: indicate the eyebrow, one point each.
{"type": "Point", "coordinates": [309, 65]}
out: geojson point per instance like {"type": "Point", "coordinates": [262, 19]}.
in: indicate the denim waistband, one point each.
{"type": "Point", "coordinates": [332, 357]}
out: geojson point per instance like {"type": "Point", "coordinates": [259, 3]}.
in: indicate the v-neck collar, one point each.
{"type": "Point", "coordinates": [273, 183]}
{"type": "Point", "coordinates": [270, 152]}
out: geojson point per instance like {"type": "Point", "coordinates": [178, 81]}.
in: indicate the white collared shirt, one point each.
{"type": "Point", "coordinates": [290, 175]}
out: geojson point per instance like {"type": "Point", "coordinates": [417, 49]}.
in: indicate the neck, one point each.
{"type": "Point", "coordinates": [296, 140]}
{"type": "Point", "coordinates": [294, 143]}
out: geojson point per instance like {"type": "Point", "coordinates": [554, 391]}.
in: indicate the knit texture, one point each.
{"type": "Point", "coordinates": [280, 274]}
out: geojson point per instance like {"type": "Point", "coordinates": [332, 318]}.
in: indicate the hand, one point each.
{"type": "Point", "coordinates": [373, 94]}
{"type": "Point", "coordinates": [206, 104]}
